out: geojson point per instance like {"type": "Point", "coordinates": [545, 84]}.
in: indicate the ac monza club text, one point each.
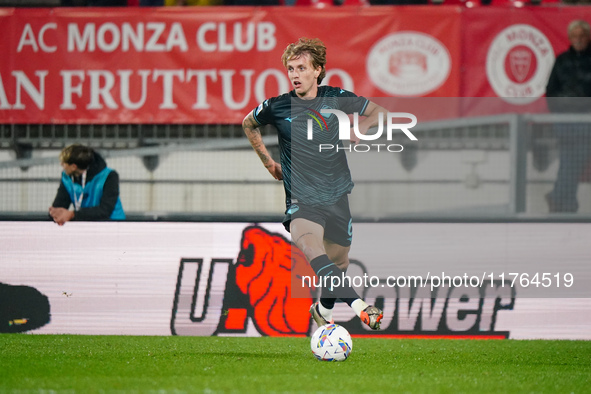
{"type": "Point", "coordinates": [148, 37]}
{"type": "Point", "coordinates": [134, 87]}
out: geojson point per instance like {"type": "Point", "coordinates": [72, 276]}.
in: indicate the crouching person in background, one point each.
{"type": "Point", "coordinates": [87, 184]}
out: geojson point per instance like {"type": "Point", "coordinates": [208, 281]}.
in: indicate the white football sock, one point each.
{"type": "Point", "coordinates": [325, 312]}
{"type": "Point", "coordinates": [358, 306]}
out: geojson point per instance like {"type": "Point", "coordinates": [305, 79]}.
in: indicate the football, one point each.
{"type": "Point", "coordinates": [331, 342]}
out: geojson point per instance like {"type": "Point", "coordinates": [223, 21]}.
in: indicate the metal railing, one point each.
{"type": "Point", "coordinates": [492, 179]}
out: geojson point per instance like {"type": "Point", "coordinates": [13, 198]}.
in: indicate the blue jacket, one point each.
{"type": "Point", "coordinates": [93, 192]}
{"type": "Point", "coordinates": [101, 193]}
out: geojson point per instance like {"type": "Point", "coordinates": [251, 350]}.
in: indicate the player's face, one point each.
{"type": "Point", "coordinates": [579, 39]}
{"type": "Point", "coordinates": [303, 76]}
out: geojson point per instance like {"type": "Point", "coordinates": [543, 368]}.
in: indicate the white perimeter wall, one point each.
{"type": "Point", "coordinates": [121, 278]}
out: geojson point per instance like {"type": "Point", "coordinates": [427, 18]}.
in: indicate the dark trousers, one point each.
{"type": "Point", "coordinates": [574, 143]}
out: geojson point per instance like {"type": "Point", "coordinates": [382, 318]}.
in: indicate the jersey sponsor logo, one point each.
{"type": "Point", "coordinates": [518, 63]}
{"type": "Point", "coordinates": [318, 118]}
{"type": "Point", "coordinates": [260, 292]}
{"type": "Point", "coordinates": [260, 107]}
{"type": "Point", "coordinates": [327, 115]}
{"type": "Point", "coordinates": [408, 63]}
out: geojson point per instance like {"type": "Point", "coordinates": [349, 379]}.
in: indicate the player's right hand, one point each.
{"type": "Point", "coordinates": [354, 139]}
{"type": "Point", "coordinates": [274, 169]}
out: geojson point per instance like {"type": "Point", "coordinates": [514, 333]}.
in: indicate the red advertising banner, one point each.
{"type": "Point", "coordinates": [236, 279]}
{"type": "Point", "coordinates": [200, 65]}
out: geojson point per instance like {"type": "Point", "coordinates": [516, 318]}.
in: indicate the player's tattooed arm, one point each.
{"type": "Point", "coordinates": [253, 134]}
{"type": "Point", "coordinates": [371, 119]}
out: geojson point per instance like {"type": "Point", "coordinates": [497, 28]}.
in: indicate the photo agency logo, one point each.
{"type": "Point", "coordinates": [402, 121]}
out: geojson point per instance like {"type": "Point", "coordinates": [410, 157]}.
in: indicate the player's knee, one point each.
{"type": "Point", "coordinates": [342, 263]}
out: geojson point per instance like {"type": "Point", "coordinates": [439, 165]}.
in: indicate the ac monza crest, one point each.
{"type": "Point", "coordinates": [408, 63]}
{"type": "Point", "coordinates": [518, 64]}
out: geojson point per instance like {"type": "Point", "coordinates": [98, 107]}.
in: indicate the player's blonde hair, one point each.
{"type": "Point", "coordinates": [312, 46]}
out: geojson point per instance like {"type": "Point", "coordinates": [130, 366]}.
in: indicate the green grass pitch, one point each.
{"type": "Point", "coordinates": [104, 364]}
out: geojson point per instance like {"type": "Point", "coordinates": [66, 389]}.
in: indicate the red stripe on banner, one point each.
{"type": "Point", "coordinates": [199, 65]}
